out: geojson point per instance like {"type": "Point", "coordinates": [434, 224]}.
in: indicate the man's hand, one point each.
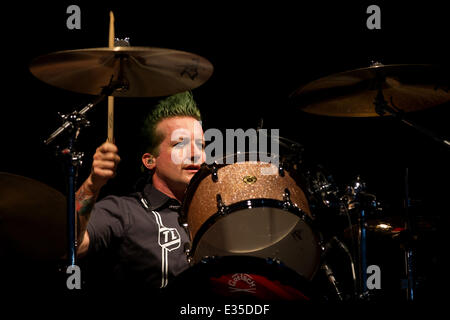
{"type": "Point", "coordinates": [104, 166]}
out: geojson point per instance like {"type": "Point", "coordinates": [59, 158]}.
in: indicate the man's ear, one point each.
{"type": "Point", "coordinates": [148, 161]}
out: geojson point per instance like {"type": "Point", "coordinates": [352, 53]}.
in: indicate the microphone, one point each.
{"type": "Point", "coordinates": [327, 247]}
{"type": "Point", "coordinates": [334, 242]}
{"type": "Point", "coordinates": [340, 245]}
{"type": "Point", "coordinates": [330, 275]}
{"type": "Point", "coordinates": [326, 268]}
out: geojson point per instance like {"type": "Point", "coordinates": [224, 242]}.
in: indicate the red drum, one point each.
{"type": "Point", "coordinates": [241, 277]}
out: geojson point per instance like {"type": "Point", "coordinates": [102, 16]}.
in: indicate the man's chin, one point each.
{"type": "Point", "coordinates": [188, 175]}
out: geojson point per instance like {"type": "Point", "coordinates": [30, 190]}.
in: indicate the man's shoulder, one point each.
{"type": "Point", "coordinates": [118, 201]}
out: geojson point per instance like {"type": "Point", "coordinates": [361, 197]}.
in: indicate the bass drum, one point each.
{"type": "Point", "coordinates": [241, 278]}
{"type": "Point", "coordinates": [251, 208]}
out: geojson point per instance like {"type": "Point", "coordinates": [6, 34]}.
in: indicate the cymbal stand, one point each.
{"type": "Point", "coordinates": [358, 200]}
{"type": "Point", "coordinates": [73, 123]}
{"type": "Point", "coordinates": [361, 204]}
{"type": "Point", "coordinates": [408, 246]}
{"type": "Point", "coordinates": [381, 107]}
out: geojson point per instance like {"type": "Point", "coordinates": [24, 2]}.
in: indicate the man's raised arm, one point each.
{"type": "Point", "coordinates": [104, 167]}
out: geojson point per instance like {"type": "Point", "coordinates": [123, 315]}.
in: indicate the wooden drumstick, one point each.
{"type": "Point", "coordinates": [111, 98]}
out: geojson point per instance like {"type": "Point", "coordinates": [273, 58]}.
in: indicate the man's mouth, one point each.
{"type": "Point", "coordinates": [192, 168]}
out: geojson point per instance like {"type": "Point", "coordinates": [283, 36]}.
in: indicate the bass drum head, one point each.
{"type": "Point", "coordinates": [261, 228]}
{"type": "Point", "coordinates": [240, 277]}
{"type": "Point", "coordinates": [247, 230]}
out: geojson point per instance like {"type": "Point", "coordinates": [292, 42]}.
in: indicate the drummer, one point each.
{"type": "Point", "coordinates": [135, 241]}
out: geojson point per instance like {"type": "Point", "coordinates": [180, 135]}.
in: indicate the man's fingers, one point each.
{"type": "Point", "coordinates": [107, 151]}
{"type": "Point", "coordinates": [111, 156]}
{"type": "Point", "coordinates": [104, 173]}
{"type": "Point", "coordinates": [102, 164]}
{"type": "Point", "coordinates": [105, 164]}
{"type": "Point", "coordinates": [107, 147]}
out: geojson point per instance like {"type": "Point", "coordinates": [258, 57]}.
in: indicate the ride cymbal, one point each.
{"type": "Point", "coordinates": [352, 93]}
{"type": "Point", "coordinates": [140, 71]}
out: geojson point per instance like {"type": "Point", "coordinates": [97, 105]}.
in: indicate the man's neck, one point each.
{"type": "Point", "coordinates": [164, 188]}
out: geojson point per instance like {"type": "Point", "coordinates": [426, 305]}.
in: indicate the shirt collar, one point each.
{"type": "Point", "coordinates": [158, 200]}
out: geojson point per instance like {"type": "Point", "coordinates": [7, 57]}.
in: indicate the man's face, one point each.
{"type": "Point", "coordinates": [180, 153]}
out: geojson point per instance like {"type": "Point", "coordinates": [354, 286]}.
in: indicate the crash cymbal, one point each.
{"type": "Point", "coordinates": [32, 219]}
{"type": "Point", "coordinates": [145, 71]}
{"type": "Point", "coordinates": [352, 93]}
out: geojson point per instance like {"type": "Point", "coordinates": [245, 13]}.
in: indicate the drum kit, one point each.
{"type": "Point", "coordinates": [252, 235]}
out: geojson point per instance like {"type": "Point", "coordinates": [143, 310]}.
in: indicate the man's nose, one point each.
{"type": "Point", "coordinates": [196, 153]}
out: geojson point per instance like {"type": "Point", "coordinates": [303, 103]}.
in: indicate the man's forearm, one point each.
{"type": "Point", "coordinates": [84, 202]}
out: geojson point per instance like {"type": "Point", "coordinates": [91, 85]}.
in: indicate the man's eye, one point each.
{"type": "Point", "coordinates": [180, 144]}
{"type": "Point", "coordinates": [200, 145]}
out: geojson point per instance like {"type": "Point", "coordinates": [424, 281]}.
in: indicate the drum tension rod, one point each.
{"type": "Point", "coordinates": [287, 203]}
{"type": "Point", "coordinates": [281, 170]}
{"type": "Point", "coordinates": [214, 175]}
{"type": "Point", "coordinates": [221, 206]}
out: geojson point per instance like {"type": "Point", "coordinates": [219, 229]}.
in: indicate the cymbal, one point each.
{"type": "Point", "coordinates": [147, 72]}
{"type": "Point", "coordinates": [32, 219]}
{"type": "Point", "coordinates": [352, 93]}
{"type": "Point", "coordinates": [392, 226]}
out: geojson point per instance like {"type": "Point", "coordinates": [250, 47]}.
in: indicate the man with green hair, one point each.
{"type": "Point", "coordinates": [136, 241]}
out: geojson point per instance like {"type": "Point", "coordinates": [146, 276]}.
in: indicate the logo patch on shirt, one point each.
{"type": "Point", "coordinates": [169, 238]}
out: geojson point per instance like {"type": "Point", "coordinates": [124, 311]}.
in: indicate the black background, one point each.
{"type": "Point", "coordinates": [261, 53]}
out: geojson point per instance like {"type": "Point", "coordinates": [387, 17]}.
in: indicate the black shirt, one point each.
{"type": "Point", "coordinates": [132, 247]}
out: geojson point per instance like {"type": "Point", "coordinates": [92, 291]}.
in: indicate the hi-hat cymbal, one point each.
{"type": "Point", "coordinates": [352, 93]}
{"type": "Point", "coordinates": [147, 72]}
{"type": "Point", "coordinates": [393, 226]}
{"type": "Point", "coordinates": [32, 219]}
